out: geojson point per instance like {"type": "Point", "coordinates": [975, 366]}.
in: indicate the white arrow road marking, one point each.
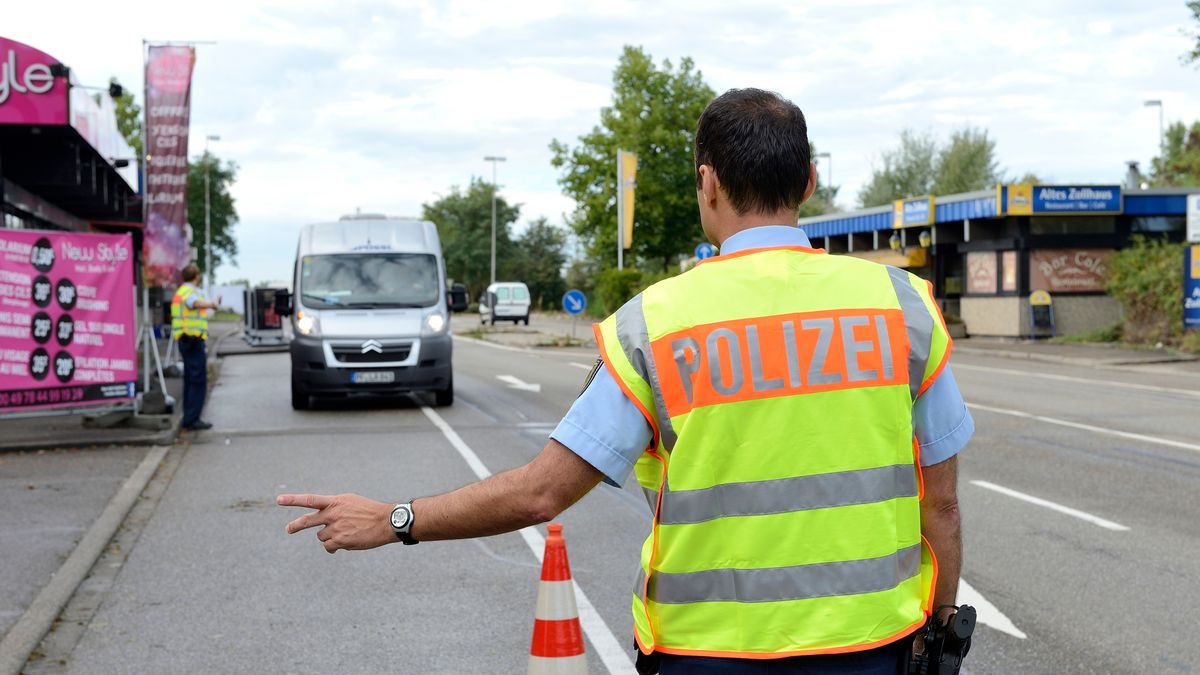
{"type": "Point", "coordinates": [986, 612]}
{"type": "Point", "coordinates": [614, 657]}
{"type": "Point", "coordinates": [1075, 513]}
{"type": "Point", "coordinates": [517, 383]}
{"type": "Point", "coordinates": [1088, 427]}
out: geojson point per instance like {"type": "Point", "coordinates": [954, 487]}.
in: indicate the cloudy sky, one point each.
{"type": "Point", "coordinates": [384, 105]}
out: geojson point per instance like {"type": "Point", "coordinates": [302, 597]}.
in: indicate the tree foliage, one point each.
{"type": "Point", "coordinates": [129, 119]}
{"type": "Point", "coordinates": [464, 222]}
{"type": "Point", "coordinates": [823, 198]}
{"type": "Point", "coordinates": [920, 165]}
{"type": "Point", "coordinates": [538, 261]}
{"type": "Point", "coordinates": [1180, 167]}
{"type": "Point", "coordinates": [1145, 278]}
{"type": "Point", "coordinates": [653, 114]}
{"type": "Point", "coordinates": [1193, 56]}
{"type": "Point", "coordinates": [223, 215]}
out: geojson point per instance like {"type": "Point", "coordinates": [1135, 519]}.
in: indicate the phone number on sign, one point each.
{"type": "Point", "coordinates": [49, 396]}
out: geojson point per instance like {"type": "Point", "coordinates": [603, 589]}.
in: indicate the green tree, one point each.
{"type": "Point", "coordinates": [920, 165]}
{"type": "Point", "coordinates": [1181, 165]}
{"type": "Point", "coordinates": [908, 171]}
{"type": "Point", "coordinates": [129, 119]}
{"type": "Point", "coordinates": [223, 209]}
{"type": "Point", "coordinates": [653, 114]}
{"type": "Point", "coordinates": [1194, 55]}
{"type": "Point", "coordinates": [464, 222]}
{"type": "Point", "coordinates": [967, 163]}
{"type": "Point", "coordinates": [823, 198]}
{"type": "Point", "coordinates": [538, 261]}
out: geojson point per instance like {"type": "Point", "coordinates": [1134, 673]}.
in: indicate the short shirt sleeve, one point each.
{"type": "Point", "coordinates": [605, 429]}
{"type": "Point", "coordinates": [941, 421]}
{"type": "Point", "coordinates": [191, 299]}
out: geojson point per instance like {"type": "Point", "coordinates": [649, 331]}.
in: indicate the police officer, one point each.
{"type": "Point", "coordinates": [789, 415]}
{"type": "Point", "coordinates": [189, 328]}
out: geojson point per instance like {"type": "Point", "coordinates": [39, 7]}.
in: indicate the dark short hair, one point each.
{"type": "Point", "coordinates": [190, 272]}
{"type": "Point", "coordinates": [757, 142]}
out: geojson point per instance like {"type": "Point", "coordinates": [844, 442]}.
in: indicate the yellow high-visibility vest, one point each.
{"type": "Point", "coordinates": [783, 472]}
{"type": "Point", "coordinates": [185, 321]}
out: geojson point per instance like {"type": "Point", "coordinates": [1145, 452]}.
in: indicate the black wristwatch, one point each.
{"type": "Point", "coordinates": [402, 521]}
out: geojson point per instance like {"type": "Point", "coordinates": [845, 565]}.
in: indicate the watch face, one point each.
{"type": "Point", "coordinates": [400, 517]}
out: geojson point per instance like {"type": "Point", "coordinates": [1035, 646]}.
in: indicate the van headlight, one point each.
{"type": "Point", "coordinates": [307, 323]}
{"type": "Point", "coordinates": [434, 324]}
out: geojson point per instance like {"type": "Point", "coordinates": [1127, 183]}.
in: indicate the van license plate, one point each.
{"type": "Point", "coordinates": [373, 377]}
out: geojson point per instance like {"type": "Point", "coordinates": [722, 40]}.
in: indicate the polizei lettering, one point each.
{"type": "Point", "coordinates": [781, 356]}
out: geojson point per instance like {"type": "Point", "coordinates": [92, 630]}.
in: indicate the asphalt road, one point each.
{"type": "Point", "coordinates": [1081, 535]}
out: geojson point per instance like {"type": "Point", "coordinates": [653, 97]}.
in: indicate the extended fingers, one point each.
{"type": "Point", "coordinates": [306, 521]}
{"type": "Point", "coordinates": [307, 501]}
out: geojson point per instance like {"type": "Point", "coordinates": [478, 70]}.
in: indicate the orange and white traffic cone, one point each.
{"type": "Point", "coordinates": [557, 638]}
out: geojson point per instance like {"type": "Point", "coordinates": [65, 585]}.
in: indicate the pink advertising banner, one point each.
{"type": "Point", "coordinates": [67, 328]}
{"type": "Point", "coordinates": [168, 112]}
{"type": "Point", "coordinates": [29, 94]}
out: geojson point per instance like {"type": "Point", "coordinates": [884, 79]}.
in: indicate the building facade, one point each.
{"type": "Point", "coordinates": [986, 252]}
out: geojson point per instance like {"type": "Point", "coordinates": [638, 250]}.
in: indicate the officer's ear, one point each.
{"type": "Point", "coordinates": [708, 186]}
{"type": "Point", "coordinates": [812, 182]}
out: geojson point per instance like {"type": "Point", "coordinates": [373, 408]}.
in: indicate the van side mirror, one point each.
{"type": "Point", "coordinates": [456, 298]}
{"type": "Point", "coordinates": [283, 303]}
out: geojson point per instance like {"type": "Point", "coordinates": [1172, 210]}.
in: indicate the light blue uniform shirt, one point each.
{"type": "Point", "coordinates": [609, 432]}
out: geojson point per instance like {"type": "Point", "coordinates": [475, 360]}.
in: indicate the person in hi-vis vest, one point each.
{"type": "Point", "coordinates": [189, 328]}
{"type": "Point", "coordinates": [789, 416]}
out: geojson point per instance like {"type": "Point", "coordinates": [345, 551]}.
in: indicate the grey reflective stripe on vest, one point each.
{"type": "Point", "coordinates": [918, 323]}
{"type": "Point", "coordinates": [651, 498]}
{"type": "Point", "coordinates": [781, 584]}
{"type": "Point", "coordinates": [785, 495]}
{"type": "Point", "coordinates": [635, 342]}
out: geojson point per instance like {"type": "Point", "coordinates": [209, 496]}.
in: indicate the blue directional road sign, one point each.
{"type": "Point", "coordinates": [705, 250]}
{"type": "Point", "coordinates": [574, 301]}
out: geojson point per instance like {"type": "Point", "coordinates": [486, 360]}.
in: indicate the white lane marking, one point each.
{"type": "Point", "coordinates": [585, 366]}
{"type": "Point", "coordinates": [1088, 427]}
{"type": "Point", "coordinates": [614, 657]}
{"type": "Point", "coordinates": [986, 612]}
{"type": "Point", "coordinates": [493, 345]}
{"type": "Point", "coordinates": [1083, 380]}
{"type": "Point", "coordinates": [1054, 506]}
{"type": "Point", "coordinates": [517, 383]}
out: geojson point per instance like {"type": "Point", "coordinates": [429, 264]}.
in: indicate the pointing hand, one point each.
{"type": "Point", "coordinates": [347, 521]}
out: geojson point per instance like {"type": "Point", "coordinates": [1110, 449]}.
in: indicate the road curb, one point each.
{"type": "Point", "coordinates": [1068, 360]}
{"type": "Point", "coordinates": [28, 631]}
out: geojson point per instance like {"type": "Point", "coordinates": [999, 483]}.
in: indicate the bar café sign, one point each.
{"type": "Point", "coordinates": [29, 91]}
{"type": "Point", "coordinates": [1079, 270]}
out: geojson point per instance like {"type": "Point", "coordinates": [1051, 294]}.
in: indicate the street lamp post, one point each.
{"type": "Point", "coordinates": [1162, 140]}
{"type": "Point", "coordinates": [493, 159]}
{"type": "Point", "coordinates": [208, 265]}
{"type": "Point", "coordinates": [829, 158]}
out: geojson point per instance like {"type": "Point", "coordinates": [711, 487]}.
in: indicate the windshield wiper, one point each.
{"type": "Point", "coordinates": [327, 299]}
{"type": "Point", "coordinates": [385, 305]}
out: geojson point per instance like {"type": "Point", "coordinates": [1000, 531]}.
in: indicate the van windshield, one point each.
{"type": "Point", "coordinates": [369, 280]}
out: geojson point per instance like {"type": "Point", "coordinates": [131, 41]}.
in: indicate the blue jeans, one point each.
{"type": "Point", "coordinates": [195, 378]}
{"type": "Point", "coordinates": [885, 660]}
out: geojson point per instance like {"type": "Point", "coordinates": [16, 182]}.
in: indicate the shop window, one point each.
{"type": "Point", "coordinates": [1008, 272]}
{"type": "Point", "coordinates": [982, 274]}
{"type": "Point", "coordinates": [1157, 224]}
{"type": "Point", "coordinates": [1072, 225]}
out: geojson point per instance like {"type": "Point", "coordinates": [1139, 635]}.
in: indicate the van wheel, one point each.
{"type": "Point", "coordinates": [300, 396]}
{"type": "Point", "coordinates": [444, 397]}
{"type": "Point", "coordinates": [526, 319]}
{"type": "Point", "coordinates": [492, 320]}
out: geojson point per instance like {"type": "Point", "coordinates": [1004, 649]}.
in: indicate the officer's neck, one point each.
{"type": "Point", "coordinates": [730, 223]}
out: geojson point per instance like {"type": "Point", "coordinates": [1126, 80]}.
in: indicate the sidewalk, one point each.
{"type": "Point", "coordinates": [545, 329]}
{"type": "Point", "coordinates": [68, 430]}
{"type": "Point", "coordinates": [1094, 354]}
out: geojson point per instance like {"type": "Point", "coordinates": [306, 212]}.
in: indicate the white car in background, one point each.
{"type": "Point", "coordinates": [506, 301]}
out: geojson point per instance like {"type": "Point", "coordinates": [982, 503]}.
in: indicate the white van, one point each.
{"type": "Point", "coordinates": [369, 310]}
{"type": "Point", "coordinates": [506, 300]}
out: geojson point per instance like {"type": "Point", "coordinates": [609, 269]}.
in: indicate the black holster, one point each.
{"type": "Point", "coordinates": [945, 646]}
{"type": "Point", "coordinates": [645, 664]}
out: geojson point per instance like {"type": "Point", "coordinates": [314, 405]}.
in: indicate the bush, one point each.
{"type": "Point", "coordinates": [615, 287]}
{"type": "Point", "coordinates": [1191, 342]}
{"type": "Point", "coordinates": [1147, 279]}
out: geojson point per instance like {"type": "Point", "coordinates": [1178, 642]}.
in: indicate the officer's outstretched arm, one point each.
{"type": "Point", "coordinates": [941, 526]}
{"type": "Point", "coordinates": [524, 496]}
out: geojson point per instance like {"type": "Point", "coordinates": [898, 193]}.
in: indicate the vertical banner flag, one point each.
{"type": "Point", "coordinates": [1191, 287]}
{"type": "Point", "coordinates": [168, 110]}
{"type": "Point", "coordinates": [627, 179]}
{"type": "Point", "coordinates": [66, 321]}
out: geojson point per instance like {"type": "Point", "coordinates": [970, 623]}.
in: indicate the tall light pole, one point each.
{"type": "Point", "coordinates": [828, 158]}
{"type": "Point", "coordinates": [1162, 139]}
{"type": "Point", "coordinates": [493, 159]}
{"type": "Point", "coordinates": [208, 265]}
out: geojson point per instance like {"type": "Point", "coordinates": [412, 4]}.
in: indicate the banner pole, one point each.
{"type": "Point", "coordinates": [620, 211]}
